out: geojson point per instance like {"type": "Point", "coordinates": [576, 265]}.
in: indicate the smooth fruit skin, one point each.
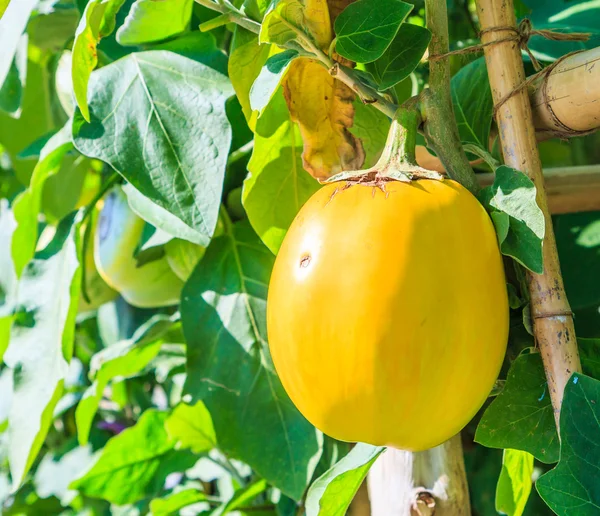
{"type": "Point", "coordinates": [387, 312]}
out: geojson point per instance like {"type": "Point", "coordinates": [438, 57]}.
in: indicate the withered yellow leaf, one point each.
{"type": "Point", "coordinates": [322, 107]}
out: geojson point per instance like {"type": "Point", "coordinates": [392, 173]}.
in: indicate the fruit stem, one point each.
{"type": "Point", "coordinates": [401, 142]}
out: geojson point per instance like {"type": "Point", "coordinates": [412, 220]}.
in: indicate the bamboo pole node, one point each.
{"type": "Point", "coordinates": [548, 315]}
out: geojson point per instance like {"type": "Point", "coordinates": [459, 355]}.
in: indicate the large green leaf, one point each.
{"type": "Point", "coordinates": [332, 492]}
{"type": "Point", "coordinates": [98, 21]}
{"type": "Point", "coordinates": [149, 21]}
{"type": "Point", "coordinates": [159, 119]}
{"type": "Point", "coordinates": [123, 359]}
{"type": "Point", "coordinates": [277, 186]}
{"type": "Point", "coordinates": [401, 57]}
{"type": "Point", "coordinates": [571, 488]}
{"type": "Point", "coordinates": [229, 367]}
{"type": "Point", "coordinates": [518, 219]}
{"type": "Point", "coordinates": [365, 29]}
{"type": "Point", "coordinates": [26, 206]}
{"type": "Point", "coordinates": [521, 417]}
{"type": "Point", "coordinates": [12, 25]}
{"type": "Point", "coordinates": [514, 484]}
{"type": "Point", "coordinates": [41, 344]}
{"type": "Point", "coordinates": [135, 463]}
{"type": "Point", "coordinates": [473, 104]}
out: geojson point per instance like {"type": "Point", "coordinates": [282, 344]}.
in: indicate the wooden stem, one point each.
{"type": "Point", "coordinates": [430, 482]}
{"type": "Point", "coordinates": [553, 321]}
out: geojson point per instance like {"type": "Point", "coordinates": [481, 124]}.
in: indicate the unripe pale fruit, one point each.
{"type": "Point", "coordinates": [119, 231]}
{"type": "Point", "coordinates": [387, 312]}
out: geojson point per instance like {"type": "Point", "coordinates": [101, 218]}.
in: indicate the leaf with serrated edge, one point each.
{"type": "Point", "coordinates": [277, 186]}
{"type": "Point", "coordinates": [365, 29]}
{"type": "Point", "coordinates": [159, 119]}
{"type": "Point", "coordinates": [571, 488]}
{"type": "Point", "coordinates": [332, 492]}
{"type": "Point", "coordinates": [521, 416]}
{"type": "Point", "coordinates": [223, 312]}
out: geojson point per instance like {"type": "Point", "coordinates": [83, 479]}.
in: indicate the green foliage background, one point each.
{"type": "Point", "coordinates": [108, 408]}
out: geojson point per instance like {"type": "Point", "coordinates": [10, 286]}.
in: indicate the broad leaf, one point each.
{"type": "Point", "coordinates": [371, 126]}
{"type": "Point", "coordinates": [521, 417]}
{"type": "Point", "coordinates": [332, 492]}
{"type": "Point", "coordinates": [322, 107]}
{"type": "Point", "coordinates": [13, 89]}
{"type": "Point", "coordinates": [277, 185]}
{"type": "Point", "coordinates": [191, 426]}
{"type": "Point", "coordinates": [514, 484]}
{"type": "Point", "coordinates": [160, 218]}
{"type": "Point", "coordinates": [123, 359]}
{"type": "Point", "coordinates": [365, 29]}
{"type": "Point", "coordinates": [571, 488]}
{"type": "Point", "coordinates": [12, 26]}
{"type": "Point", "coordinates": [519, 220]}
{"type": "Point", "coordinates": [135, 463]}
{"type": "Point", "coordinates": [137, 107]}
{"type": "Point", "coordinates": [149, 21]}
{"type": "Point", "coordinates": [401, 57]}
{"type": "Point", "coordinates": [41, 344]}
{"type": "Point", "coordinates": [26, 207]}
{"type": "Point", "coordinates": [98, 21]}
{"type": "Point", "coordinates": [269, 79]}
{"type": "Point", "coordinates": [473, 104]}
{"type": "Point", "coordinates": [229, 367]}
{"type": "Point", "coordinates": [246, 61]}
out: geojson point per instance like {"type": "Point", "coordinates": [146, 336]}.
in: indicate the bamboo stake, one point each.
{"type": "Point", "coordinates": [553, 321]}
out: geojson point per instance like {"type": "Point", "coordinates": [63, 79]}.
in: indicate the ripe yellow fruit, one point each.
{"type": "Point", "coordinates": [387, 312]}
{"type": "Point", "coordinates": [119, 232]}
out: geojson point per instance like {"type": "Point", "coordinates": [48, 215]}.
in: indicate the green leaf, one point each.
{"type": "Point", "coordinates": [26, 207]}
{"type": "Point", "coordinates": [332, 492]}
{"type": "Point", "coordinates": [571, 488]}
{"type": "Point", "coordinates": [589, 352]}
{"type": "Point", "coordinates": [372, 127]}
{"type": "Point", "coordinates": [269, 79]}
{"type": "Point", "coordinates": [98, 21]}
{"type": "Point", "coordinates": [246, 60]}
{"type": "Point", "coordinates": [229, 367]}
{"type": "Point", "coordinates": [473, 104]}
{"type": "Point", "coordinates": [365, 29]}
{"type": "Point", "coordinates": [3, 6]}
{"type": "Point", "coordinates": [521, 416]}
{"type": "Point", "coordinates": [277, 186]}
{"type": "Point", "coordinates": [401, 57]}
{"type": "Point", "coordinates": [41, 344]}
{"type": "Point", "coordinates": [172, 503]}
{"type": "Point", "coordinates": [135, 463]}
{"type": "Point", "coordinates": [123, 359]}
{"type": "Point", "coordinates": [138, 106]}
{"type": "Point", "coordinates": [191, 426]}
{"type": "Point", "coordinates": [283, 22]}
{"type": "Point", "coordinates": [521, 229]}
{"type": "Point", "coordinates": [160, 218]}
{"type": "Point", "coordinates": [13, 89]}
{"type": "Point", "coordinates": [242, 497]}
{"type": "Point", "coordinates": [514, 484]}
{"type": "Point", "coordinates": [149, 21]}
{"type": "Point", "coordinates": [12, 26]}
{"type": "Point", "coordinates": [8, 276]}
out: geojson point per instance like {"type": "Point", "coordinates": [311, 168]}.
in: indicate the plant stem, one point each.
{"type": "Point", "coordinates": [553, 321]}
{"type": "Point", "coordinates": [440, 125]}
{"type": "Point", "coordinates": [344, 74]}
{"type": "Point", "coordinates": [402, 140]}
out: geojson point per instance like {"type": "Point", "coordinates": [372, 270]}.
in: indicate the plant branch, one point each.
{"type": "Point", "coordinates": [440, 125]}
{"type": "Point", "coordinates": [344, 74]}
